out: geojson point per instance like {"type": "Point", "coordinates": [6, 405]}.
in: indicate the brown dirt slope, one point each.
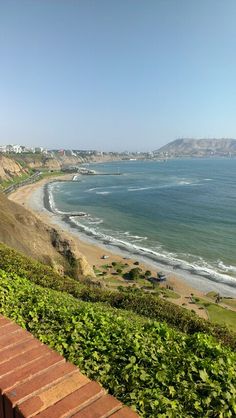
{"type": "Point", "coordinates": [22, 230]}
{"type": "Point", "coordinates": [9, 168]}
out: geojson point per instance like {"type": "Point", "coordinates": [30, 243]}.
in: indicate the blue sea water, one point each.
{"type": "Point", "coordinates": [180, 212]}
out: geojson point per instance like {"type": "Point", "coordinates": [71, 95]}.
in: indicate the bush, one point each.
{"type": "Point", "coordinates": [147, 365]}
{"type": "Point", "coordinates": [133, 274]}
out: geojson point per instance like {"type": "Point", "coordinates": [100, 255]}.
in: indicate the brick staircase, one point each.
{"type": "Point", "coordinates": [35, 381]}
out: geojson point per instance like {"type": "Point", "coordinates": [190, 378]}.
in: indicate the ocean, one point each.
{"type": "Point", "coordinates": [180, 213]}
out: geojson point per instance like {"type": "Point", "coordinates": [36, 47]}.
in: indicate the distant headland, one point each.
{"type": "Point", "coordinates": [197, 148]}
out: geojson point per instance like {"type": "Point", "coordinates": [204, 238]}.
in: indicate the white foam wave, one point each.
{"type": "Point", "coordinates": [100, 187]}
{"type": "Point", "coordinates": [225, 268]}
{"type": "Point", "coordinates": [53, 207]}
{"type": "Point", "coordinates": [94, 221]}
{"type": "Point", "coordinates": [168, 259]}
{"type": "Point", "coordinates": [103, 193]}
{"type": "Point", "coordinates": [136, 237]}
{"type": "Point", "coordinates": [135, 189]}
{"type": "Point", "coordinates": [183, 183]}
{"type": "Point", "coordinates": [93, 188]}
{"type": "Point", "coordinates": [51, 200]}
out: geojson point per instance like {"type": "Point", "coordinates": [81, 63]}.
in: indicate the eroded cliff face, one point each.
{"type": "Point", "coordinates": [22, 230]}
{"type": "Point", "coordinates": [9, 168]}
{"type": "Point", "coordinates": [68, 249]}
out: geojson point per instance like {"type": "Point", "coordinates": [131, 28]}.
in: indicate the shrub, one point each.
{"type": "Point", "coordinates": [147, 365]}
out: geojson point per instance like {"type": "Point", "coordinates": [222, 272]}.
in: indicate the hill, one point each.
{"type": "Point", "coordinates": [188, 147]}
{"type": "Point", "coordinates": [22, 230]}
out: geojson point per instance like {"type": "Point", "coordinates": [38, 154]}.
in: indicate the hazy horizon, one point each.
{"type": "Point", "coordinates": [116, 75]}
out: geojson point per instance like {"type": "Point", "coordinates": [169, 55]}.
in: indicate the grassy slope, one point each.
{"type": "Point", "coordinates": [218, 314]}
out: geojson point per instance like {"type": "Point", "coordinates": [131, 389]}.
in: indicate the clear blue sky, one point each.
{"type": "Point", "coordinates": [116, 74]}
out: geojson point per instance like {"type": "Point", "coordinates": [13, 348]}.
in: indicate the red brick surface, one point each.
{"type": "Point", "coordinates": [12, 339]}
{"type": "Point", "coordinates": [74, 402]}
{"type": "Point", "coordinates": [14, 350]}
{"type": "Point", "coordinates": [37, 382]}
{"type": "Point", "coordinates": [124, 412]}
{"type": "Point", "coordinates": [103, 407]}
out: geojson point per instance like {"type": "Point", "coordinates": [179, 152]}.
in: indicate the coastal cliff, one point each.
{"type": "Point", "coordinates": [10, 168]}
{"type": "Point", "coordinates": [22, 230]}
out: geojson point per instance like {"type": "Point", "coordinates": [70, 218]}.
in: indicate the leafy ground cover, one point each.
{"type": "Point", "coordinates": [147, 305]}
{"type": "Point", "coordinates": [149, 366]}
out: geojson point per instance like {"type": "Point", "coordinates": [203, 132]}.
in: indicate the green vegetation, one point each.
{"type": "Point", "coordinates": [226, 300]}
{"type": "Point", "coordinates": [133, 274]}
{"type": "Point", "coordinates": [112, 281]}
{"type": "Point", "coordinates": [230, 302]}
{"type": "Point", "coordinates": [218, 314]}
{"type": "Point", "coordinates": [222, 316]}
{"type": "Point", "coordinates": [169, 293]}
{"type": "Point", "coordinates": [46, 174]}
{"type": "Point", "coordinates": [147, 365]}
{"type": "Point", "coordinates": [147, 305]}
{"type": "Point", "coordinates": [15, 180]}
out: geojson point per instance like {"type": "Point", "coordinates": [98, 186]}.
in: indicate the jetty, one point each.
{"type": "Point", "coordinates": [87, 172]}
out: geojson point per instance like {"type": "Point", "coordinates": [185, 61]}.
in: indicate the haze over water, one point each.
{"type": "Point", "coordinates": [182, 212]}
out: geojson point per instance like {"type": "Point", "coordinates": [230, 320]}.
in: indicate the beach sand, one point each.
{"type": "Point", "coordinates": [32, 198]}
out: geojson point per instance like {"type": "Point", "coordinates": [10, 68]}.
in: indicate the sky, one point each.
{"type": "Point", "coordinates": [116, 75]}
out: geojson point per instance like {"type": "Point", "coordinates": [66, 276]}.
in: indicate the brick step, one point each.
{"type": "Point", "coordinates": [37, 382]}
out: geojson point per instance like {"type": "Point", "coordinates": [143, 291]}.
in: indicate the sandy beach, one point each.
{"type": "Point", "coordinates": [32, 198]}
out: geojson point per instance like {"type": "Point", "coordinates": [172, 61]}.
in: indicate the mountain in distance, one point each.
{"type": "Point", "coordinates": [189, 147]}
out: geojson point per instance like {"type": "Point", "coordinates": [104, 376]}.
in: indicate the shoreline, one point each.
{"type": "Point", "coordinates": [34, 198]}
{"type": "Point", "coordinates": [201, 282]}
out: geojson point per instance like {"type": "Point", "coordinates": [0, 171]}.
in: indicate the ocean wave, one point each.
{"type": "Point", "coordinates": [100, 187]}
{"type": "Point", "coordinates": [184, 182]}
{"type": "Point", "coordinates": [52, 205]}
{"type": "Point", "coordinates": [136, 189]}
{"type": "Point", "coordinates": [164, 258]}
{"type": "Point", "coordinates": [92, 189]}
{"type": "Point", "coordinates": [51, 201]}
{"type": "Point", "coordinates": [93, 221]}
{"type": "Point", "coordinates": [136, 237]}
{"type": "Point", "coordinates": [225, 268]}
{"type": "Point", "coordinates": [103, 193]}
